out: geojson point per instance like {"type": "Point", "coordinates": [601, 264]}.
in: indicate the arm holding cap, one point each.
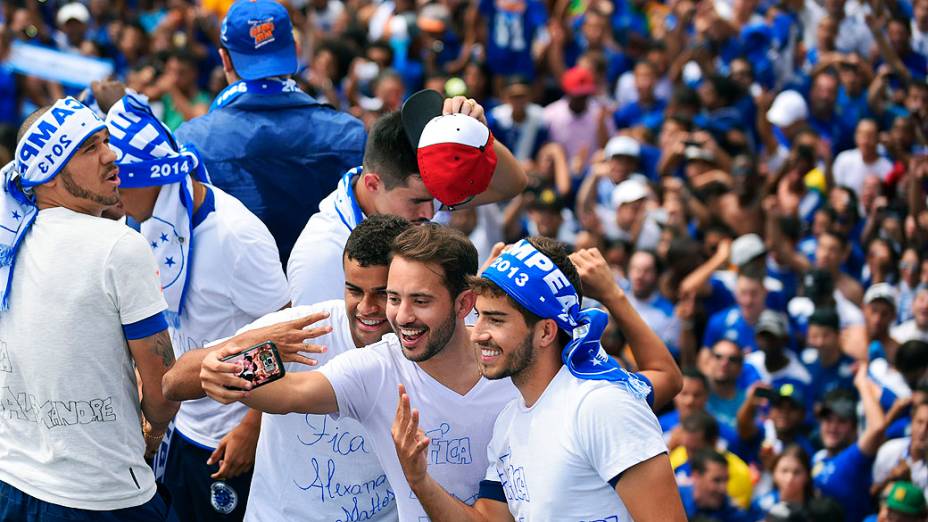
{"type": "Point", "coordinates": [653, 357]}
{"type": "Point", "coordinates": [508, 179]}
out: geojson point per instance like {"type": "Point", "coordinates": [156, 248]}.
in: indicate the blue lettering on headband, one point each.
{"type": "Point", "coordinates": [535, 282]}
{"type": "Point", "coordinates": [44, 150]}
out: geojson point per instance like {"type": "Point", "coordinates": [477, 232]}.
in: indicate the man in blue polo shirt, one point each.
{"type": "Point", "coordinates": [737, 323]}
{"type": "Point", "coordinates": [265, 142]}
{"type": "Point", "coordinates": [828, 366]}
{"type": "Point", "coordinates": [842, 470]}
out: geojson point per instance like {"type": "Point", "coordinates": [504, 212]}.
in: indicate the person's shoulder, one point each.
{"type": "Point", "coordinates": [893, 448]}
{"type": "Point", "coordinates": [810, 358]}
{"type": "Point", "coordinates": [729, 316]}
{"type": "Point", "coordinates": [663, 304]}
{"type": "Point", "coordinates": [846, 156]}
{"type": "Point", "coordinates": [590, 395]}
{"type": "Point", "coordinates": [335, 308]}
{"type": "Point", "coordinates": [234, 219]}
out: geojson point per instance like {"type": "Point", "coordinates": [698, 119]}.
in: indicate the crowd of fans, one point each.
{"type": "Point", "coordinates": [754, 171]}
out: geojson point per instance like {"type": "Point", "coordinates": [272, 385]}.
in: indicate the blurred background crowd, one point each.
{"type": "Point", "coordinates": [754, 170]}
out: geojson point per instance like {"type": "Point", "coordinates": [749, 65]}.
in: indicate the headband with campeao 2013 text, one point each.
{"type": "Point", "coordinates": [535, 282]}
{"type": "Point", "coordinates": [42, 153]}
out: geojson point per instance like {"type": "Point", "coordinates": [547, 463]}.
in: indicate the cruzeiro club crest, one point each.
{"type": "Point", "coordinates": [223, 498]}
{"type": "Point", "coordinates": [167, 246]}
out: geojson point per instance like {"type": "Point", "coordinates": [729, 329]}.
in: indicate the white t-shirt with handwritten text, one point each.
{"type": "Point", "coordinates": [310, 467]}
{"type": "Point", "coordinates": [69, 404]}
{"type": "Point", "coordinates": [555, 459]}
{"type": "Point", "coordinates": [459, 426]}
{"type": "Point", "coordinates": [235, 278]}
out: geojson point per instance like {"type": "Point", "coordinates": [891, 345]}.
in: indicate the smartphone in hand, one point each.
{"type": "Point", "coordinates": [260, 364]}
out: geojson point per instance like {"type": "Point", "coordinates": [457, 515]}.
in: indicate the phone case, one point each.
{"type": "Point", "coordinates": [260, 364]}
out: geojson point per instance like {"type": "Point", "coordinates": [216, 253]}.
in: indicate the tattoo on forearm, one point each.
{"type": "Point", "coordinates": [162, 348]}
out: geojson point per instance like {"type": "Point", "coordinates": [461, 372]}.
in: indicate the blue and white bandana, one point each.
{"type": "Point", "coordinates": [149, 156]}
{"type": "Point", "coordinates": [43, 152]}
{"type": "Point", "coordinates": [535, 282]}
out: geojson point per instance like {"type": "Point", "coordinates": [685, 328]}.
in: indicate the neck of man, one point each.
{"type": "Point", "coordinates": [868, 155]}
{"type": "Point", "coordinates": [455, 366]}
{"type": "Point", "coordinates": [533, 380]}
{"type": "Point", "coordinates": [775, 360]}
{"type": "Point", "coordinates": [140, 202]}
{"type": "Point", "coordinates": [916, 451]}
{"type": "Point", "coordinates": [725, 389]}
{"type": "Point", "coordinates": [829, 356]}
{"type": "Point", "coordinates": [47, 198]}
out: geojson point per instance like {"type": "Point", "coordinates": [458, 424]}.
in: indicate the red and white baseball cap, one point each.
{"type": "Point", "coordinates": [454, 152]}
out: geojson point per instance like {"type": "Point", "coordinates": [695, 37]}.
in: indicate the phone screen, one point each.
{"type": "Point", "coordinates": [259, 364]}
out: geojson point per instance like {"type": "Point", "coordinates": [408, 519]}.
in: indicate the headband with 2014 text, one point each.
{"type": "Point", "coordinates": [46, 147]}
{"type": "Point", "coordinates": [148, 155]}
{"type": "Point", "coordinates": [535, 282]}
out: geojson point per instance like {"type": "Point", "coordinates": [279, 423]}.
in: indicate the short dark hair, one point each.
{"type": "Point", "coordinates": [184, 56]}
{"type": "Point", "coordinates": [699, 460]}
{"type": "Point", "coordinates": [558, 253]}
{"type": "Point", "coordinates": [702, 422]}
{"type": "Point", "coordinates": [842, 239]}
{"type": "Point", "coordinates": [693, 373]}
{"type": "Point", "coordinates": [370, 242]}
{"type": "Point", "coordinates": [389, 153]}
{"type": "Point", "coordinates": [911, 355]}
{"type": "Point", "coordinates": [827, 317]}
{"type": "Point", "coordinates": [444, 246]}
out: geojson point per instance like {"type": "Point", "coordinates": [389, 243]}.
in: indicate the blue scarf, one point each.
{"type": "Point", "coordinates": [264, 87]}
{"type": "Point", "coordinates": [536, 283]}
{"type": "Point", "coordinates": [41, 154]}
{"type": "Point", "coordinates": [149, 156]}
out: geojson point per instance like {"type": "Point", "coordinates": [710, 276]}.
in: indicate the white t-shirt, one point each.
{"type": "Point", "coordinates": [459, 426]}
{"type": "Point", "coordinates": [69, 414]}
{"type": "Point", "coordinates": [235, 278]}
{"type": "Point", "coordinates": [314, 271]}
{"type": "Point", "coordinates": [908, 331]}
{"type": "Point", "coordinates": [893, 452]}
{"type": "Point", "coordinates": [555, 459]}
{"type": "Point", "coordinates": [793, 369]}
{"type": "Point", "coordinates": [310, 467]}
{"type": "Point", "coordinates": [851, 171]}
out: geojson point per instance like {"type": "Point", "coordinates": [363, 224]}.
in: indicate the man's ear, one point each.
{"type": "Point", "coordinates": [545, 333]}
{"type": "Point", "coordinates": [372, 181]}
{"type": "Point", "coordinates": [464, 303]}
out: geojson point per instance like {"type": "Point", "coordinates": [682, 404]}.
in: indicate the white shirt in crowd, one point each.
{"type": "Point", "coordinates": [793, 370]}
{"type": "Point", "coordinates": [893, 452]}
{"type": "Point", "coordinates": [851, 171]}
{"type": "Point", "coordinates": [459, 426]}
{"type": "Point", "coordinates": [235, 278]}
{"type": "Point", "coordinates": [69, 418]}
{"type": "Point", "coordinates": [310, 467]}
{"type": "Point", "coordinates": [908, 331]}
{"type": "Point", "coordinates": [314, 271]}
{"type": "Point", "coordinates": [555, 459]}
{"type": "Point", "coordinates": [657, 312]}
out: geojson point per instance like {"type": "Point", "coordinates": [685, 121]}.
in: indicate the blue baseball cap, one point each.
{"type": "Point", "coordinates": [259, 37]}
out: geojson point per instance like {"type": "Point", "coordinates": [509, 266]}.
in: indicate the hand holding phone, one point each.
{"type": "Point", "coordinates": [261, 364]}
{"type": "Point", "coordinates": [765, 393]}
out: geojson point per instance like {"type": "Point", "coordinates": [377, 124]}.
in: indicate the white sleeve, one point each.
{"type": "Point", "coordinates": [131, 279]}
{"type": "Point", "coordinates": [258, 284]}
{"type": "Point", "coordinates": [886, 459]}
{"type": "Point", "coordinates": [358, 378]}
{"type": "Point", "coordinates": [616, 431]}
{"type": "Point", "coordinates": [314, 271]}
